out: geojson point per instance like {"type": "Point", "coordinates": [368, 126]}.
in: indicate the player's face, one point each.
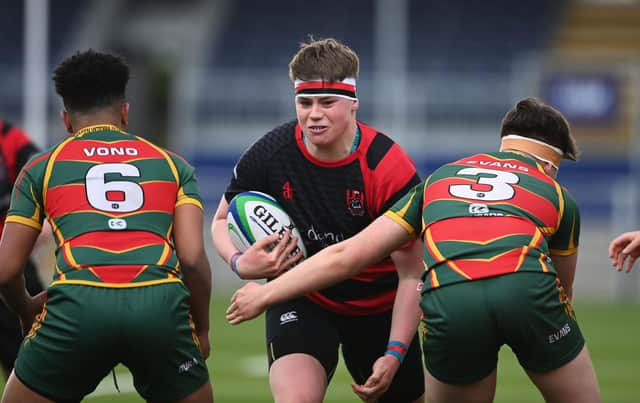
{"type": "Point", "coordinates": [326, 120]}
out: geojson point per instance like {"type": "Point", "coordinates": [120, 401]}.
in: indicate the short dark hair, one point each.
{"type": "Point", "coordinates": [90, 79]}
{"type": "Point", "coordinates": [534, 119]}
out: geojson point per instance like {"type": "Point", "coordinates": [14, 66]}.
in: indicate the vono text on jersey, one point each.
{"type": "Point", "coordinates": [497, 164]}
{"type": "Point", "coordinates": [106, 151]}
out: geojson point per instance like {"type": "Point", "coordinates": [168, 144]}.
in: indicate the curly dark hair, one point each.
{"type": "Point", "coordinates": [90, 79]}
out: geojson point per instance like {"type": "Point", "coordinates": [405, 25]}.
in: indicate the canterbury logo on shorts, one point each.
{"type": "Point", "coordinates": [287, 317]}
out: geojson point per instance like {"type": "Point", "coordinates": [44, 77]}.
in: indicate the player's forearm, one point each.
{"type": "Point", "coordinates": [406, 311]}
{"type": "Point", "coordinates": [565, 266]}
{"type": "Point", "coordinates": [197, 278]}
{"type": "Point", "coordinates": [221, 239]}
{"type": "Point", "coordinates": [325, 268]}
{"type": "Point", "coordinates": [14, 294]}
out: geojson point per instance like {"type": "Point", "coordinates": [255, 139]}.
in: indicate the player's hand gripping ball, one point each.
{"type": "Point", "coordinates": [254, 215]}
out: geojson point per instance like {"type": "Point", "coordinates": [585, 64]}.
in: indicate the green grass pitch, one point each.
{"type": "Point", "coordinates": [238, 364]}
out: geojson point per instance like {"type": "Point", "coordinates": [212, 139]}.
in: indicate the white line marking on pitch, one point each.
{"type": "Point", "coordinates": [106, 386]}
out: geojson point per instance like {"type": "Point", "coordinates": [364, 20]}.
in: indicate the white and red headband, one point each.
{"type": "Point", "coordinates": [320, 88]}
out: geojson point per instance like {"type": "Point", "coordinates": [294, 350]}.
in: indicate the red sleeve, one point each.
{"type": "Point", "coordinates": [17, 148]}
{"type": "Point", "coordinates": [388, 173]}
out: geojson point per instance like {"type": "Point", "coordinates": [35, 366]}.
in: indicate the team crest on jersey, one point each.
{"type": "Point", "coordinates": [287, 191]}
{"type": "Point", "coordinates": [355, 202]}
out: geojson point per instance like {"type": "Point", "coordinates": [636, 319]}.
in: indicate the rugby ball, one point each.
{"type": "Point", "coordinates": [254, 215]}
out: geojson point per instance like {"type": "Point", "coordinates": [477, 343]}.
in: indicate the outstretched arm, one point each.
{"type": "Point", "coordinates": [329, 266]}
{"type": "Point", "coordinates": [625, 247]}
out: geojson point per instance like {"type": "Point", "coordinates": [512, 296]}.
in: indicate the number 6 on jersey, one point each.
{"type": "Point", "coordinates": [115, 196]}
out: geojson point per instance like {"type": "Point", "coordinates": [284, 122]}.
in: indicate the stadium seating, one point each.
{"type": "Point", "coordinates": [62, 14]}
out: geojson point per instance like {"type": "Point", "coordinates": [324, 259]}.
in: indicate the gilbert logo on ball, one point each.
{"type": "Point", "coordinates": [254, 215]}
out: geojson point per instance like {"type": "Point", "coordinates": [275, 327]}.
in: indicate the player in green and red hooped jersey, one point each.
{"type": "Point", "coordinates": [132, 282]}
{"type": "Point", "coordinates": [500, 250]}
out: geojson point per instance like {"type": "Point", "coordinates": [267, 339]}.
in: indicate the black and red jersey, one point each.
{"type": "Point", "coordinates": [15, 150]}
{"type": "Point", "coordinates": [332, 201]}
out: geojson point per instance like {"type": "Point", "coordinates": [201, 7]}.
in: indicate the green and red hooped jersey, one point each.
{"type": "Point", "coordinates": [487, 215]}
{"type": "Point", "coordinates": [110, 197]}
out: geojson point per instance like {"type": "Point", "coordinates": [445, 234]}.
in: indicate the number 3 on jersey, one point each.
{"type": "Point", "coordinates": [115, 195]}
{"type": "Point", "coordinates": [499, 181]}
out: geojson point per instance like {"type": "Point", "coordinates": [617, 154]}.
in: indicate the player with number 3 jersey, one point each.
{"type": "Point", "coordinates": [500, 240]}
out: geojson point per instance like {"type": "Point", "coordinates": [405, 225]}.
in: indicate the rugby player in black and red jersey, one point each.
{"type": "Point", "coordinates": [333, 175]}
{"type": "Point", "coordinates": [15, 150]}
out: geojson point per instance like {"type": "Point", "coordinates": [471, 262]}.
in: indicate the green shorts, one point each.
{"type": "Point", "coordinates": [467, 323]}
{"type": "Point", "coordinates": [85, 331]}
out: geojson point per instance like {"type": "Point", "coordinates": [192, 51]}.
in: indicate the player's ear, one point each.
{"type": "Point", "coordinates": [64, 115]}
{"type": "Point", "coordinates": [355, 105]}
{"type": "Point", "coordinates": [124, 114]}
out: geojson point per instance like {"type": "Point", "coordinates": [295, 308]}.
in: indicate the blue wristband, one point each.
{"type": "Point", "coordinates": [233, 262]}
{"type": "Point", "coordinates": [397, 349]}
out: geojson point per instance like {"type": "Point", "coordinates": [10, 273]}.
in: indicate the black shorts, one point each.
{"type": "Point", "coordinates": [10, 330]}
{"type": "Point", "coordinates": [300, 326]}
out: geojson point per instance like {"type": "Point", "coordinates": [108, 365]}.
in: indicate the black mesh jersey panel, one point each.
{"type": "Point", "coordinates": [329, 202]}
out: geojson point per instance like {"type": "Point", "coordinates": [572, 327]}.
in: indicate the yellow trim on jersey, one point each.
{"type": "Point", "coordinates": [400, 221]}
{"type": "Point", "coordinates": [116, 285]}
{"type": "Point", "coordinates": [424, 195]}
{"type": "Point", "coordinates": [189, 200]}
{"type": "Point", "coordinates": [118, 215]}
{"type": "Point", "coordinates": [525, 249]}
{"type": "Point", "coordinates": [483, 243]}
{"type": "Point", "coordinates": [564, 252]}
{"type": "Point", "coordinates": [488, 259]}
{"type": "Point", "coordinates": [61, 275]}
{"type": "Point", "coordinates": [117, 251]}
{"type": "Point", "coordinates": [67, 252]}
{"type": "Point", "coordinates": [572, 244]}
{"type": "Point", "coordinates": [561, 203]}
{"type": "Point", "coordinates": [542, 259]}
{"type": "Point", "coordinates": [165, 252]}
{"type": "Point", "coordinates": [434, 279]}
{"type": "Point", "coordinates": [432, 247]}
{"type": "Point", "coordinates": [97, 128]}
{"type": "Point", "coordinates": [38, 210]}
{"type": "Point", "coordinates": [29, 222]}
{"type": "Point", "coordinates": [45, 184]}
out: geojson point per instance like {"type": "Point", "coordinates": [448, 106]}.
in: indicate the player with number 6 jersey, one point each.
{"type": "Point", "coordinates": [132, 281]}
{"type": "Point", "coordinates": [110, 197]}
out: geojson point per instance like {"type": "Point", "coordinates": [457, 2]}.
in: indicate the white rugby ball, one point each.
{"type": "Point", "coordinates": [254, 215]}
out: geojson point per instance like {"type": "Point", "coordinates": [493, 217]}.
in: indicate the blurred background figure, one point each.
{"type": "Point", "coordinates": [15, 150]}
